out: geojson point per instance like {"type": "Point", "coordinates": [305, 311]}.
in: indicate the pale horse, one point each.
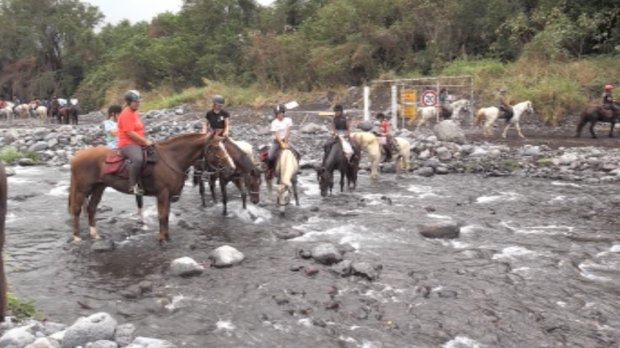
{"type": "Point", "coordinates": [369, 142]}
{"type": "Point", "coordinates": [7, 111]}
{"type": "Point", "coordinates": [490, 114]}
{"type": "Point", "coordinates": [40, 112]}
{"type": "Point", "coordinates": [286, 172]}
{"type": "Point", "coordinates": [460, 108]}
{"type": "Point", "coordinates": [23, 110]}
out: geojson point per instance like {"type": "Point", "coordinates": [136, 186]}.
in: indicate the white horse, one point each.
{"type": "Point", "coordinates": [41, 112]}
{"type": "Point", "coordinates": [7, 111]}
{"type": "Point", "coordinates": [461, 107]}
{"type": "Point", "coordinates": [23, 110]}
{"type": "Point", "coordinates": [370, 143]}
{"type": "Point", "coordinates": [286, 172]}
{"type": "Point", "coordinates": [491, 114]}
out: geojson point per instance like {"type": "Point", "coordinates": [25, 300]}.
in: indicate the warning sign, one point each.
{"type": "Point", "coordinates": [429, 98]}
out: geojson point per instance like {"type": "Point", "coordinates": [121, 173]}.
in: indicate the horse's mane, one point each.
{"type": "Point", "coordinates": [175, 138]}
{"type": "Point", "coordinates": [244, 159]}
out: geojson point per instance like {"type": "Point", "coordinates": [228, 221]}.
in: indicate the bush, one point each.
{"type": "Point", "coordinates": [22, 309]}
{"type": "Point", "coordinates": [10, 154]}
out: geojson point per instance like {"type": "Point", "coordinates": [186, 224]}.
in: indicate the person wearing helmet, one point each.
{"type": "Point", "coordinates": [217, 118]}
{"type": "Point", "coordinates": [340, 132]}
{"type": "Point", "coordinates": [131, 139]}
{"type": "Point", "coordinates": [385, 137]}
{"type": "Point", "coordinates": [281, 128]}
{"type": "Point", "coordinates": [110, 129]}
{"type": "Point", "coordinates": [608, 100]}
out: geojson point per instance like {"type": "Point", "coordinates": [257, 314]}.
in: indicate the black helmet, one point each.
{"type": "Point", "coordinates": [218, 99]}
{"type": "Point", "coordinates": [280, 109]}
{"type": "Point", "coordinates": [132, 95]}
{"type": "Point", "coordinates": [114, 109]}
{"type": "Point", "coordinates": [338, 107]}
{"type": "Point", "coordinates": [380, 115]}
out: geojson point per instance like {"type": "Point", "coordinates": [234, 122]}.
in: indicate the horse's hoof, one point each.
{"type": "Point", "coordinates": [77, 239]}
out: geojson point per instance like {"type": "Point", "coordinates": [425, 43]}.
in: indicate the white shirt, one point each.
{"type": "Point", "coordinates": [281, 126]}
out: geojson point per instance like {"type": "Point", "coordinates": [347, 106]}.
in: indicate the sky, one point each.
{"type": "Point", "coordinates": [139, 10]}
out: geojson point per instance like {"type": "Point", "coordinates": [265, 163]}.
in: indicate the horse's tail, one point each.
{"type": "Point", "coordinates": [480, 116]}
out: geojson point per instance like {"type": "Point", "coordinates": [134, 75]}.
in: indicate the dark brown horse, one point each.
{"type": "Point", "coordinates": [166, 179]}
{"type": "Point", "coordinates": [53, 111]}
{"type": "Point", "coordinates": [594, 114]}
{"type": "Point", "coordinates": [245, 175]}
{"type": "Point", "coordinates": [3, 193]}
{"type": "Point", "coordinates": [335, 159]}
{"type": "Point", "coordinates": [68, 114]}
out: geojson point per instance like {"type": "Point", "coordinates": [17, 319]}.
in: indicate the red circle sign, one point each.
{"type": "Point", "coordinates": [429, 98]}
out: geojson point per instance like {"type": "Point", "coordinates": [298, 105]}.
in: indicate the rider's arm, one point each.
{"type": "Point", "coordinates": [226, 126]}
{"type": "Point", "coordinates": [138, 138]}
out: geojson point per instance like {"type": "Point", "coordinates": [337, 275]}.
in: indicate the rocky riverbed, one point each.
{"type": "Point", "coordinates": [484, 244]}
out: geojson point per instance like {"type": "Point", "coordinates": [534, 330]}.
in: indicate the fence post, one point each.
{"type": "Point", "coordinates": [394, 107]}
{"type": "Point", "coordinates": [366, 103]}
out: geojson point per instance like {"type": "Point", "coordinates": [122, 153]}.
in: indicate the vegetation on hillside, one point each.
{"type": "Point", "coordinates": [535, 47]}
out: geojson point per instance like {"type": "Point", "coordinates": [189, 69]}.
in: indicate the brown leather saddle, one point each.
{"type": "Point", "coordinates": [116, 164]}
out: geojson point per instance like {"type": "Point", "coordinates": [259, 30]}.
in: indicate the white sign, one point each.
{"type": "Point", "coordinates": [291, 105]}
{"type": "Point", "coordinates": [429, 98]}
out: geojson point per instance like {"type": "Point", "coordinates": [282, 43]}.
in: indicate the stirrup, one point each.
{"type": "Point", "coordinates": [137, 190]}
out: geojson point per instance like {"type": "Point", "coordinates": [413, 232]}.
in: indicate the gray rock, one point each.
{"type": "Point", "coordinates": [103, 344]}
{"type": "Point", "coordinates": [125, 334]}
{"type": "Point", "coordinates": [99, 326]}
{"type": "Point", "coordinates": [313, 128]}
{"type": "Point", "coordinates": [531, 151]}
{"type": "Point", "coordinates": [185, 267]}
{"type": "Point", "coordinates": [364, 269]}
{"type": "Point", "coordinates": [17, 338]}
{"type": "Point", "coordinates": [226, 256]}
{"type": "Point", "coordinates": [425, 172]}
{"type": "Point", "coordinates": [478, 152]}
{"type": "Point", "coordinates": [102, 246]}
{"type": "Point", "coordinates": [144, 342]}
{"type": "Point", "coordinates": [365, 126]}
{"type": "Point", "coordinates": [443, 154]}
{"type": "Point", "coordinates": [52, 143]}
{"type": "Point", "coordinates": [38, 146]}
{"type": "Point", "coordinates": [448, 230]}
{"type": "Point", "coordinates": [442, 170]}
{"type": "Point", "coordinates": [44, 342]}
{"type": "Point", "coordinates": [326, 254]}
{"type": "Point", "coordinates": [568, 159]}
{"type": "Point", "coordinates": [424, 155]}
{"type": "Point", "coordinates": [342, 269]}
{"type": "Point", "coordinates": [10, 171]}
{"type": "Point", "coordinates": [448, 130]}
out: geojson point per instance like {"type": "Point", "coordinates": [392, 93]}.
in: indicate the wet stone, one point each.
{"type": "Point", "coordinates": [226, 256]}
{"type": "Point", "coordinates": [295, 268]}
{"type": "Point", "coordinates": [332, 305]}
{"type": "Point", "coordinates": [364, 269]}
{"type": "Point", "coordinates": [305, 254]}
{"type": "Point", "coordinates": [425, 172]}
{"type": "Point", "coordinates": [326, 254]}
{"type": "Point", "coordinates": [132, 292]}
{"type": "Point", "coordinates": [319, 322]}
{"type": "Point", "coordinates": [289, 234]}
{"type": "Point", "coordinates": [280, 299]}
{"type": "Point", "coordinates": [185, 267]}
{"type": "Point", "coordinates": [124, 334]}
{"type": "Point", "coordinates": [447, 294]}
{"type": "Point", "coordinates": [101, 246]}
{"type": "Point", "coordinates": [310, 270]}
{"type": "Point", "coordinates": [448, 230]}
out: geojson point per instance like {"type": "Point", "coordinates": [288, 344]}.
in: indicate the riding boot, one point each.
{"type": "Point", "coordinates": [134, 180]}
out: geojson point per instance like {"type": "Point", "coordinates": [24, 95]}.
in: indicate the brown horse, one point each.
{"type": "Point", "coordinates": [245, 175]}
{"type": "Point", "coordinates": [594, 114]}
{"type": "Point", "coordinates": [3, 193]}
{"type": "Point", "coordinates": [174, 157]}
{"type": "Point", "coordinates": [53, 111]}
{"type": "Point", "coordinates": [68, 114]}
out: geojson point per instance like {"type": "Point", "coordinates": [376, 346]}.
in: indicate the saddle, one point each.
{"type": "Point", "coordinates": [116, 164]}
{"type": "Point", "coordinates": [446, 111]}
{"type": "Point", "coordinates": [506, 112]}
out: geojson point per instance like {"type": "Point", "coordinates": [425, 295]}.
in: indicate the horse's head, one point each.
{"type": "Point", "coordinates": [252, 182]}
{"type": "Point", "coordinates": [528, 107]}
{"type": "Point", "coordinates": [326, 180]}
{"type": "Point", "coordinates": [215, 153]}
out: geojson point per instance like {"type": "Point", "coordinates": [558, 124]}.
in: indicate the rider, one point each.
{"type": "Point", "coordinates": [384, 132]}
{"type": "Point", "coordinates": [218, 119]}
{"type": "Point", "coordinates": [608, 98]}
{"type": "Point", "coordinates": [110, 127]}
{"type": "Point", "coordinates": [281, 128]}
{"type": "Point", "coordinates": [504, 106]}
{"type": "Point", "coordinates": [340, 131]}
{"type": "Point", "coordinates": [131, 139]}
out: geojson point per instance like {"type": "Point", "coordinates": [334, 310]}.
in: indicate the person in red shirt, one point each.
{"type": "Point", "coordinates": [131, 139]}
{"type": "Point", "coordinates": [388, 142]}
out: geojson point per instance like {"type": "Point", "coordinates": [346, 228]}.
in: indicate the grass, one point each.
{"type": "Point", "coordinates": [10, 154]}
{"type": "Point", "coordinates": [22, 309]}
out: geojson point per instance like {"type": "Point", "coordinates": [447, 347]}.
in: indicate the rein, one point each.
{"type": "Point", "coordinates": [174, 169]}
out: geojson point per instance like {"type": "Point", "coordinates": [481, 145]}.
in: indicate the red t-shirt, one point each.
{"type": "Point", "coordinates": [385, 126]}
{"type": "Point", "coordinates": [128, 120]}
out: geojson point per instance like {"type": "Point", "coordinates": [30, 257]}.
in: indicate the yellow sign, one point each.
{"type": "Point", "coordinates": [408, 99]}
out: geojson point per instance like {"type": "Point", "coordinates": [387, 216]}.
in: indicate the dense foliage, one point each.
{"type": "Point", "coordinates": [56, 47]}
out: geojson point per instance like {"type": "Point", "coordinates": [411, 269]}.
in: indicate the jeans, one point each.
{"type": "Point", "coordinates": [133, 153]}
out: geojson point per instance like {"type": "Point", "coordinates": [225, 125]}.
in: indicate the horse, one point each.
{"type": "Point", "coordinates": [164, 179]}
{"type": "Point", "coordinates": [3, 199]}
{"type": "Point", "coordinates": [7, 111]}
{"type": "Point", "coordinates": [594, 114]}
{"type": "Point", "coordinates": [456, 109]}
{"type": "Point", "coordinates": [337, 159]}
{"type": "Point", "coordinates": [23, 110]}
{"type": "Point", "coordinates": [491, 114]}
{"type": "Point", "coordinates": [53, 111]}
{"type": "Point", "coordinates": [287, 166]}
{"type": "Point", "coordinates": [68, 114]}
{"type": "Point", "coordinates": [41, 112]}
{"type": "Point", "coordinates": [369, 141]}
{"type": "Point", "coordinates": [243, 173]}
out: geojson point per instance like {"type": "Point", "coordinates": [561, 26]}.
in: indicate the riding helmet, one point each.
{"type": "Point", "coordinates": [132, 95]}
{"type": "Point", "coordinates": [380, 115]}
{"type": "Point", "coordinates": [218, 99]}
{"type": "Point", "coordinates": [609, 87]}
{"type": "Point", "coordinates": [280, 109]}
{"type": "Point", "coordinates": [338, 107]}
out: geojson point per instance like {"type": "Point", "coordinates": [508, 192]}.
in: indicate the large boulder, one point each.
{"type": "Point", "coordinates": [17, 337]}
{"type": "Point", "coordinates": [226, 256]}
{"type": "Point", "coordinates": [447, 230]}
{"type": "Point", "coordinates": [185, 267]}
{"type": "Point", "coordinates": [326, 254]}
{"type": "Point", "coordinates": [99, 326]}
{"type": "Point", "coordinates": [313, 128]}
{"type": "Point", "coordinates": [448, 130]}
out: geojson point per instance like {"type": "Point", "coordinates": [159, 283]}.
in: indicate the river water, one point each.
{"type": "Point", "coordinates": [537, 264]}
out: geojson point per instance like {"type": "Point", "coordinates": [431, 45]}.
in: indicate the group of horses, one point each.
{"type": "Point", "coordinates": [67, 114]}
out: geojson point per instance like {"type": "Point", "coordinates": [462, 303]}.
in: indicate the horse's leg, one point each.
{"type": "Point", "coordinates": [93, 202]}
{"type": "Point", "coordinates": [611, 130]}
{"type": "Point", "coordinates": [519, 130]}
{"type": "Point", "coordinates": [223, 183]}
{"type": "Point", "coordinates": [140, 205]}
{"type": "Point", "coordinates": [343, 173]}
{"type": "Point", "coordinates": [212, 179]}
{"type": "Point", "coordinates": [76, 199]}
{"type": "Point", "coordinates": [582, 123]}
{"type": "Point", "coordinates": [163, 210]}
{"type": "Point", "coordinates": [592, 124]}
{"type": "Point", "coordinates": [242, 189]}
{"type": "Point", "coordinates": [294, 183]}
{"type": "Point", "coordinates": [506, 130]}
